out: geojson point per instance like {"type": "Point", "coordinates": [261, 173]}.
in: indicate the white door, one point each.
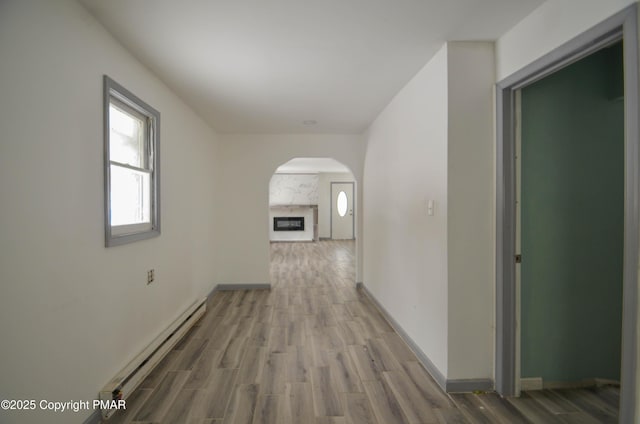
{"type": "Point", "coordinates": [342, 211]}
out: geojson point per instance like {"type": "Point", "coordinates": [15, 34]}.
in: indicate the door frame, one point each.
{"type": "Point", "coordinates": [621, 26]}
{"type": "Point", "coordinates": [353, 215]}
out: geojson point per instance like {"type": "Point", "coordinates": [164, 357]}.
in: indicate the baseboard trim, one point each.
{"type": "Point", "coordinates": [95, 418]}
{"type": "Point", "coordinates": [469, 385]}
{"type": "Point", "coordinates": [580, 384]}
{"type": "Point", "coordinates": [422, 358]}
{"type": "Point", "coordinates": [449, 386]}
{"type": "Point", "coordinates": [212, 291]}
{"type": "Point", "coordinates": [291, 241]}
{"type": "Point", "coordinates": [241, 286]}
{"type": "Point", "coordinates": [531, 383]}
{"type": "Point", "coordinates": [606, 382]}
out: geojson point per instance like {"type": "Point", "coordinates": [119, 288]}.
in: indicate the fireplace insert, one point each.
{"type": "Point", "coordinates": [288, 223]}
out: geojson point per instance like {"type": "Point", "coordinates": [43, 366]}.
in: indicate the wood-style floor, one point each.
{"type": "Point", "coordinates": [315, 350]}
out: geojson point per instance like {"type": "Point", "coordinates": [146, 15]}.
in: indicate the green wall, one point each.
{"type": "Point", "coordinates": [572, 221]}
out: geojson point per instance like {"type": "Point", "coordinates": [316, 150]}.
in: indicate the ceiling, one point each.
{"type": "Point", "coordinates": [266, 66]}
{"type": "Point", "coordinates": [311, 166]}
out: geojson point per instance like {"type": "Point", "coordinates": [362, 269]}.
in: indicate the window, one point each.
{"type": "Point", "coordinates": [131, 149]}
{"type": "Point", "coordinates": [341, 203]}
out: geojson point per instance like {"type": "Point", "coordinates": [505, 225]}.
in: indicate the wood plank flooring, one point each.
{"type": "Point", "coordinates": [314, 350]}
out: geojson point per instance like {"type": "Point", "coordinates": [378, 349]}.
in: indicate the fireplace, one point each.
{"type": "Point", "coordinates": [288, 223]}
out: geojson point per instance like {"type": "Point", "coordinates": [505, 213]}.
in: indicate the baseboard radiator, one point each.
{"type": "Point", "coordinates": [126, 381]}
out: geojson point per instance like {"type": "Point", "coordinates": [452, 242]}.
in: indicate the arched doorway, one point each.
{"type": "Point", "coordinates": [304, 184]}
{"type": "Point", "coordinates": [313, 200]}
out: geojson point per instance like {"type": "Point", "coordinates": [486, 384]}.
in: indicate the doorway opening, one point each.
{"type": "Point", "coordinates": [534, 220]}
{"type": "Point", "coordinates": [569, 219]}
{"type": "Point", "coordinates": [316, 190]}
{"type": "Point", "coordinates": [312, 201]}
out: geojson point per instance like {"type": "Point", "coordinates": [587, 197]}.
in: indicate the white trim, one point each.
{"type": "Point", "coordinates": [533, 383]}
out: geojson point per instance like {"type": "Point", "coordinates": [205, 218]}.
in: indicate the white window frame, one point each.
{"type": "Point", "coordinates": [123, 234]}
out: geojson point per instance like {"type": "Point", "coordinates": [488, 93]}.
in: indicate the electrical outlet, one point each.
{"type": "Point", "coordinates": [151, 275]}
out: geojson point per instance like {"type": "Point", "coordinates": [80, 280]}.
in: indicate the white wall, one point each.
{"type": "Point", "coordinates": [405, 254]}
{"type": "Point", "coordinates": [434, 274]}
{"type": "Point", "coordinates": [249, 163]}
{"type": "Point", "coordinates": [73, 311]}
{"type": "Point", "coordinates": [324, 200]}
{"type": "Point", "coordinates": [548, 27]}
{"type": "Point", "coordinates": [470, 225]}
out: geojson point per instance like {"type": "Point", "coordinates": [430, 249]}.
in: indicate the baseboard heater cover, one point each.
{"type": "Point", "coordinates": [126, 381]}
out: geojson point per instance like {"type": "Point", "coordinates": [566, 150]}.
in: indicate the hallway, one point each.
{"type": "Point", "coordinates": [316, 350]}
